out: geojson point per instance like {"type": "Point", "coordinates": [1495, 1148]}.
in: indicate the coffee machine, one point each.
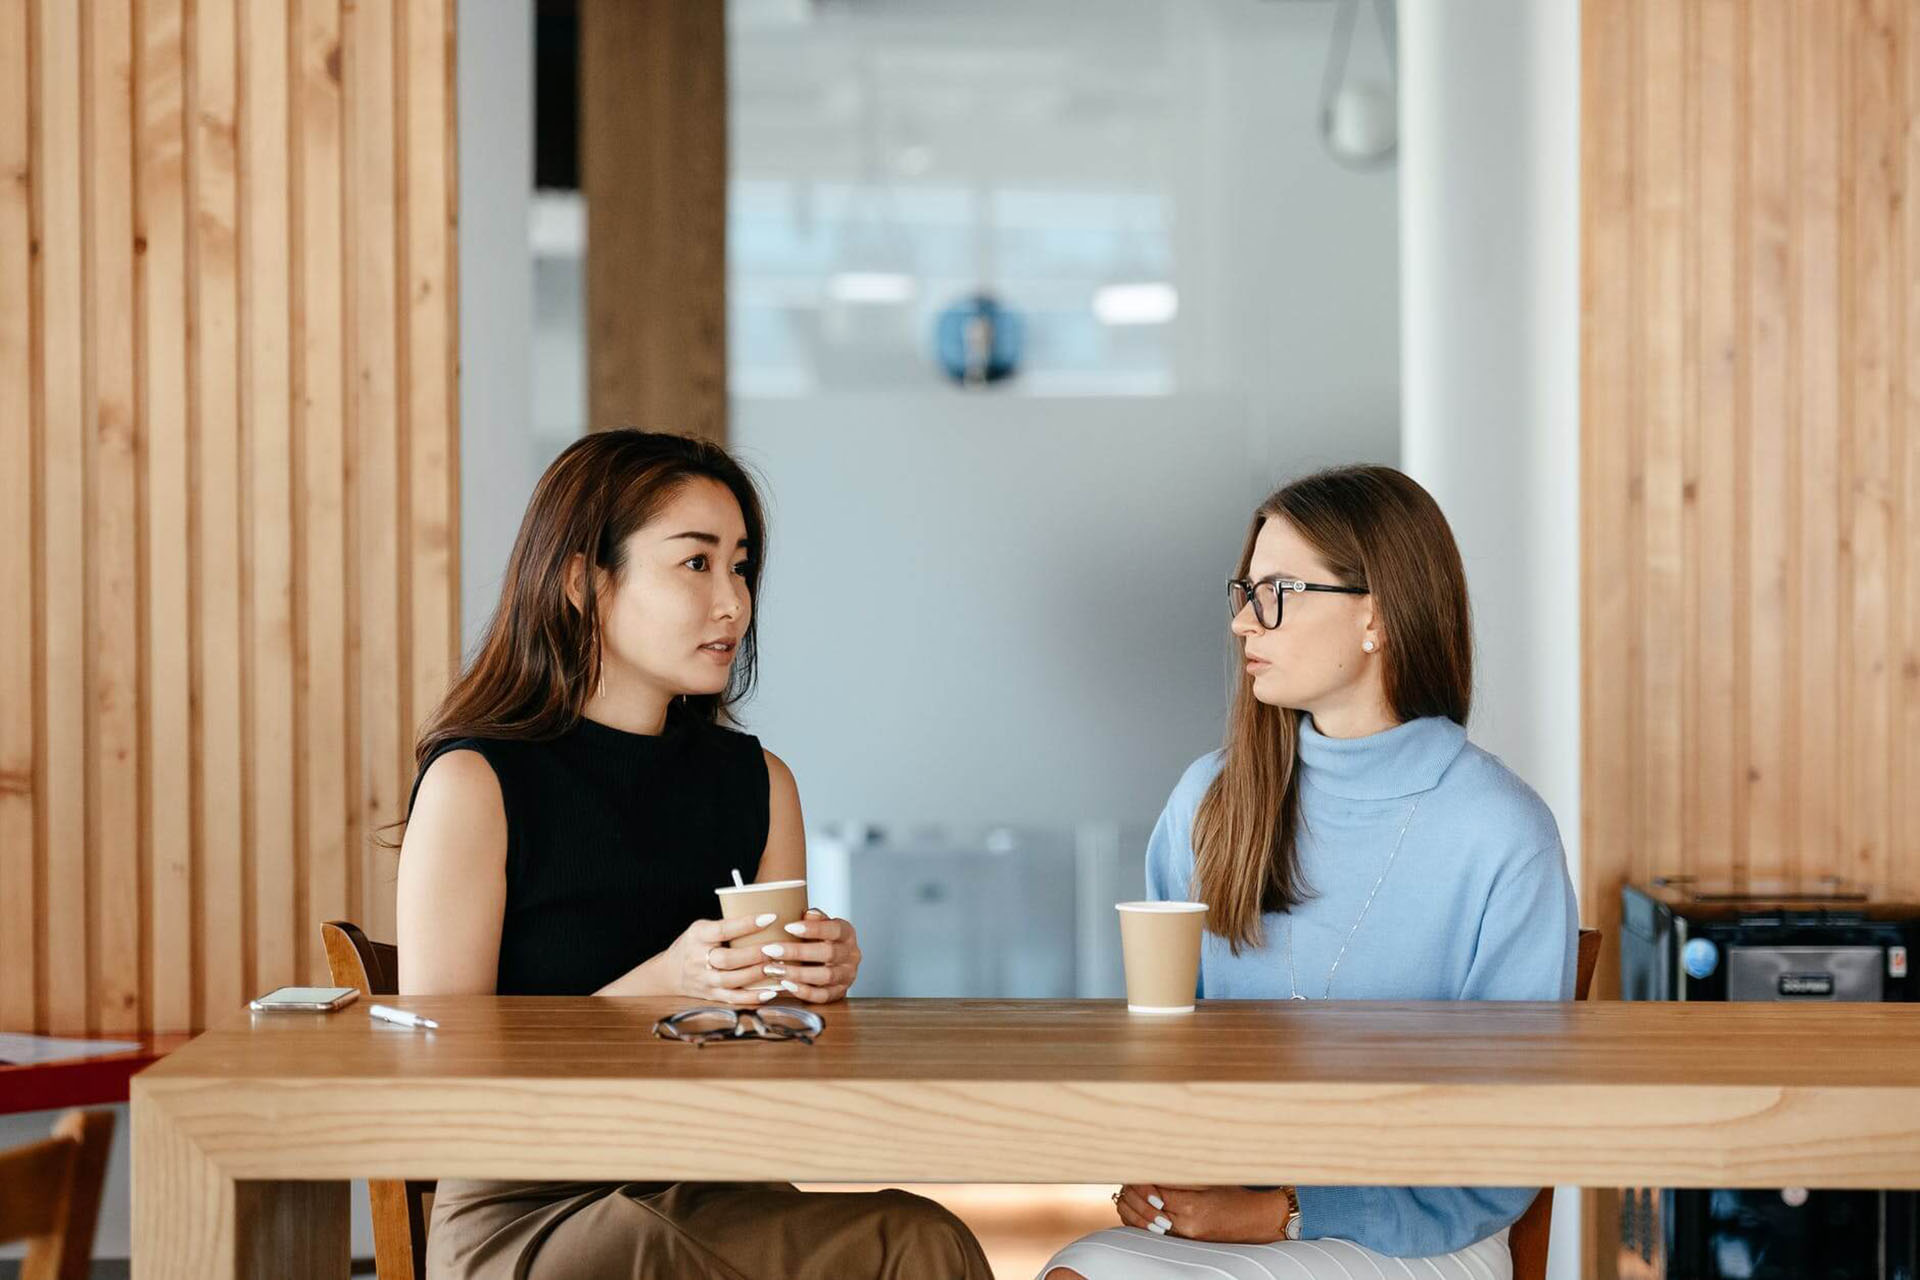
{"type": "Point", "coordinates": [1684, 939]}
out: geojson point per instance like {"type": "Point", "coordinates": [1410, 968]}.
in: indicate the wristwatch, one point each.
{"type": "Point", "coordinates": [1291, 1223]}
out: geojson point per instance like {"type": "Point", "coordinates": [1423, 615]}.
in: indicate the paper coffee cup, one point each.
{"type": "Point", "coordinates": [787, 899]}
{"type": "Point", "coordinates": [1160, 942]}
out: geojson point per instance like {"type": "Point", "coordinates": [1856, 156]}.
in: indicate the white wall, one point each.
{"type": "Point", "coordinates": [500, 459]}
{"type": "Point", "coordinates": [1005, 611]}
{"type": "Point", "coordinates": [1004, 608]}
{"type": "Point", "coordinates": [1490, 323]}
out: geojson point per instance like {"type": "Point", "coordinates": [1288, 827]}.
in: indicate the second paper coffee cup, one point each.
{"type": "Point", "coordinates": [1160, 943]}
{"type": "Point", "coordinates": [787, 899]}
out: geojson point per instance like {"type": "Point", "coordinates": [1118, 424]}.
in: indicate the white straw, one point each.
{"type": "Point", "coordinates": [738, 883]}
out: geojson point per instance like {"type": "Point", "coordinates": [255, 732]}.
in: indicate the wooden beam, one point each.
{"type": "Point", "coordinates": [653, 154]}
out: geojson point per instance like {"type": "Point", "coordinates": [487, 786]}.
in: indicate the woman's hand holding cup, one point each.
{"type": "Point", "coordinates": [704, 967]}
{"type": "Point", "coordinates": [819, 963]}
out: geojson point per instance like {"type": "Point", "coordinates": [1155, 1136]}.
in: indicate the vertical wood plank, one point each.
{"type": "Point", "coordinates": [1608, 572]}
{"type": "Point", "coordinates": [162, 230]}
{"type": "Point", "coordinates": [19, 672]}
{"type": "Point", "coordinates": [1870, 330]}
{"type": "Point", "coordinates": [1687, 631]}
{"type": "Point", "coordinates": [1816, 682]}
{"type": "Point", "coordinates": [432, 522]}
{"type": "Point", "coordinates": [267, 401]}
{"type": "Point", "coordinates": [1905, 879]}
{"type": "Point", "coordinates": [1606, 364]}
{"type": "Point", "coordinates": [114, 623]}
{"type": "Point", "coordinates": [320, 420]}
{"type": "Point", "coordinates": [1662, 263]}
{"type": "Point", "coordinates": [1719, 423]}
{"type": "Point", "coordinates": [373, 321]}
{"type": "Point", "coordinates": [224, 966]}
{"type": "Point", "coordinates": [63, 535]}
{"type": "Point", "coordinates": [1771, 514]}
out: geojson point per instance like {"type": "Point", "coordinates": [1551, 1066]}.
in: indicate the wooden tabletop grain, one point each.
{"type": "Point", "coordinates": [1600, 1093]}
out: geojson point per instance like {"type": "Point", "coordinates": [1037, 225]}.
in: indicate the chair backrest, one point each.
{"type": "Point", "coordinates": [401, 1210]}
{"type": "Point", "coordinates": [1529, 1237]}
{"type": "Point", "coordinates": [50, 1195]}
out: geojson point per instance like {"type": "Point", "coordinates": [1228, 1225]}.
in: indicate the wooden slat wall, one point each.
{"type": "Point", "coordinates": [228, 487]}
{"type": "Point", "coordinates": [1751, 453]}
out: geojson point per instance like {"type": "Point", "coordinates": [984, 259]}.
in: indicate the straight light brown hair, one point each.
{"type": "Point", "coordinates": [541, 656]}
{"type": "Point", "coordinates": [1378, 529]}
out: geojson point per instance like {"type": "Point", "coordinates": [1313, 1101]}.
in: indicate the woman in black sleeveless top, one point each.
{"type": "Point", "coordinates": [577, 800]}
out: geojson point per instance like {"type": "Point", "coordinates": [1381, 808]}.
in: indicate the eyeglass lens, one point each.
{"type": "Point", "coordinates": [1266, 602]}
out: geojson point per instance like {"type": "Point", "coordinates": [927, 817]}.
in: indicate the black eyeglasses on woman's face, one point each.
{"type": "Point", "coordinates": [1265, 595]}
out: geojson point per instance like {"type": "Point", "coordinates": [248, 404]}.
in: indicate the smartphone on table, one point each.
{"type": "Point", "coordinates": [312, 999]}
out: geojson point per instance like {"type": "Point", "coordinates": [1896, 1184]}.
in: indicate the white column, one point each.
{"type": "Point", "coordinates": [1490, 325]}
{"type": "Point", "coordinates": [494, 82]}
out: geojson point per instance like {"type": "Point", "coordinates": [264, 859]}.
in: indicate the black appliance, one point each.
{"type": "Point", "coordinates": [1683, 939]}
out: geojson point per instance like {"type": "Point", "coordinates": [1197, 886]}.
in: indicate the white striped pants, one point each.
{"type": "Point", "coordinates": [1128, 1253]}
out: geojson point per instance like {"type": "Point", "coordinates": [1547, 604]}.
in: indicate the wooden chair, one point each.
{"type": "Point", "coordinates": [1528, 1239]}
{"type": "Point", "coordinates": [401, 1210]}
{"type": "Point", "coordinates": [50, 1195]}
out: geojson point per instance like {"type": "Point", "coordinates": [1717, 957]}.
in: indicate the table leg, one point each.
{"type": "Point", "coordinates": [295, 1229]}
{"type": "Point", "coordinates": [192, 1222]}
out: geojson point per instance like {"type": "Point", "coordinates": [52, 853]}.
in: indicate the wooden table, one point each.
{"type": "Point", "coordinates": [243, 1139]}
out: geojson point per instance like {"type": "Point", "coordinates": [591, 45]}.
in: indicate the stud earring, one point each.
{"type": "Point", "coordinates": [1367, 645]}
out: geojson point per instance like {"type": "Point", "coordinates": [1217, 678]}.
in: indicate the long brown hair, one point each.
{"type": "Point", "coordinates": [1375, 528]}
{"type": "Point", "coordinates": [541, 656]}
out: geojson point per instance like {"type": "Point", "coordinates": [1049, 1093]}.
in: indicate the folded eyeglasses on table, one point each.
{"type": "Point", "coordinates": [708, 1024]}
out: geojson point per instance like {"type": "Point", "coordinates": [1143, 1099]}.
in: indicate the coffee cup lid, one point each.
{"type": "Point", "coordinates": [755, 888]}
{"type": "Point", "coordinates": [1160, 906]}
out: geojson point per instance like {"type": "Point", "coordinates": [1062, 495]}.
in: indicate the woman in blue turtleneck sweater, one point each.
{"type": "Point", "coordinates": [1351, 844]}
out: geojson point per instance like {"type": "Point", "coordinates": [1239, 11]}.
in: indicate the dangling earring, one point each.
{"type": "Point", "coordinates": [1368, 646]}
{"type": "Point", "coordinates": [602, 691]}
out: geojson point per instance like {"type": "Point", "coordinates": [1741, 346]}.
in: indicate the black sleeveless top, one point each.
{"type": "Point", "coordinates": [616, 842]}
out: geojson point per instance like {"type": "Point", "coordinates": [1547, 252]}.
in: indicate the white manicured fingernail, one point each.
{"type": "Point", "coordinates": [773, 949]}
{"type": "Point", "coordinates": [1159, 1226]}
{"type": "Point", "coordinates": [767, 995]}
{"type": "Point", "coordinates": [797, 930]}
{"type": "Point", "coordinates": [787, 984]}
{"type": "Point", "coordinates": [1156, 1202]}
{"type": "Point", "coordinates": [767, 919]}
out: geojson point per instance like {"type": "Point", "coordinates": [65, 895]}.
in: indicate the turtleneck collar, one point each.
{"type": "Point", "coordinates": [1402, 761]}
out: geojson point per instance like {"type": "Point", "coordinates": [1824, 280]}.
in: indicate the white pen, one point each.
{"type": "Point", "coordinates": [401, 1018]}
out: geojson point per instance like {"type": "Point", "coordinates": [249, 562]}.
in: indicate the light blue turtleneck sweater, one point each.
{"type": "Point", "coordinates": [1477, 906]}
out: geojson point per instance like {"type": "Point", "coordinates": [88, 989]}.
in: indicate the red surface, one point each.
{"type": "Point", "coordinates": [80, 1082]}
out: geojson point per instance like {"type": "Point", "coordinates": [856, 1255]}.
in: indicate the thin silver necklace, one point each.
{"type": "Point", "coordinates": [1293, 983]}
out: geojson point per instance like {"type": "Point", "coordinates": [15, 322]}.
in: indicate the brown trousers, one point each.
{"type": "Point", "coordinates": [693, 1231]}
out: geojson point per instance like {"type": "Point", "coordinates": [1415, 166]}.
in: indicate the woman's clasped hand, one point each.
{"type": "Point", "coordinates": [817, 964]}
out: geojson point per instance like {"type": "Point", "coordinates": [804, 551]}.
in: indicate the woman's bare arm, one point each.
{"type": "Point", "coordinates": [785, 857]}
{"type": "Point", "coordinates": [453, 880]}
